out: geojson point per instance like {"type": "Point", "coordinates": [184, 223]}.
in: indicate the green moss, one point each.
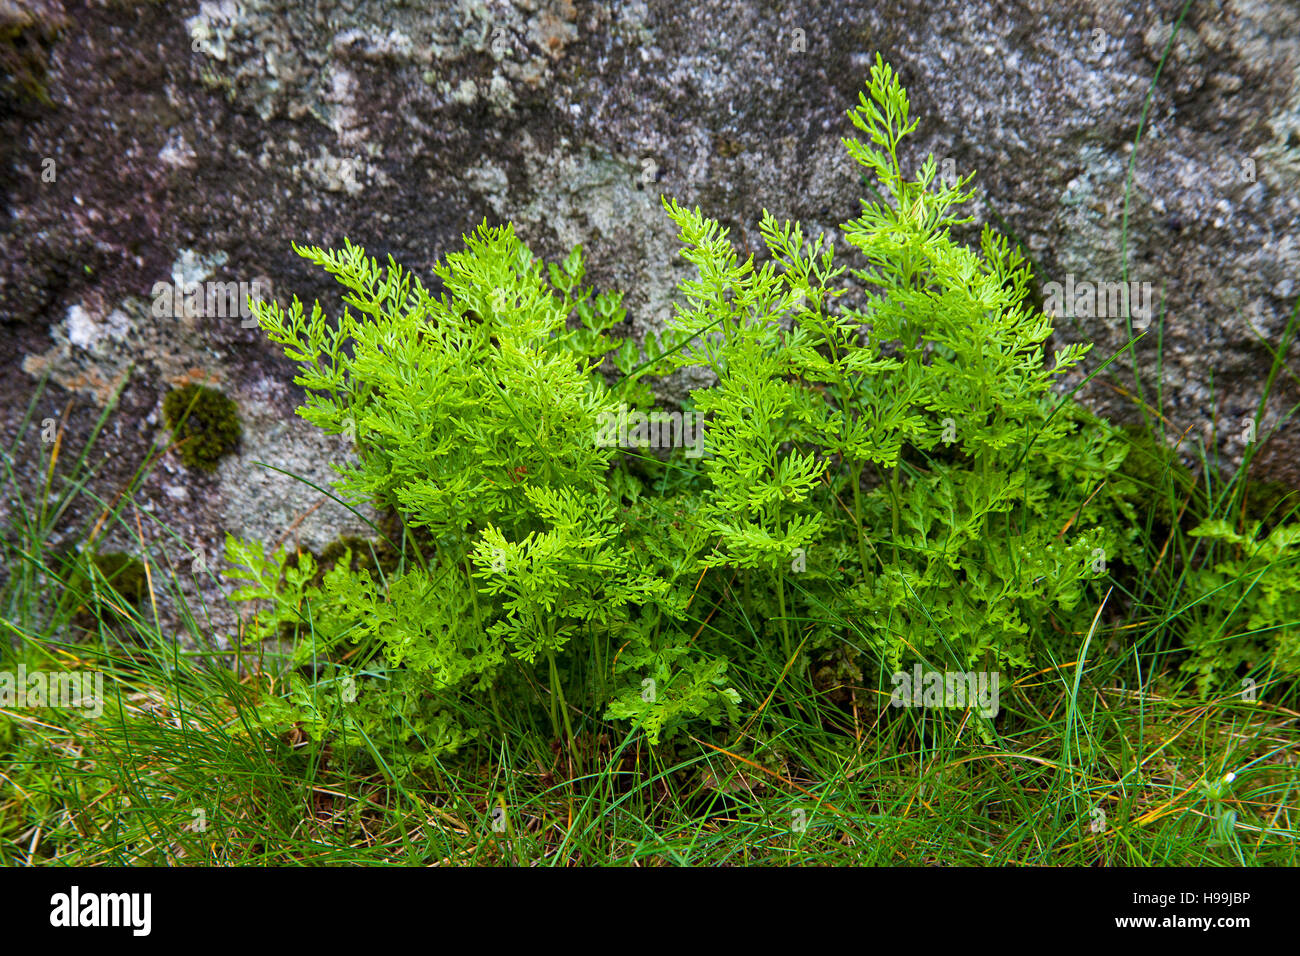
{"type": "Point", "coordinates": [364, 554]}
{"type": "Point", "coordinates": [1271, 502]}
{"type": "Point", "coordinates": [125, 573]}
{"type": "Point", "coordinates": [27, 31]}
{"type": "Point", "coordinates": [361, 555]}
{"type": "Point", "coordinates": [114, 571]}
{"type": "Point", "coordinates": [1153, 466]}
{"type": "Point", "coordinates": [205, 424]}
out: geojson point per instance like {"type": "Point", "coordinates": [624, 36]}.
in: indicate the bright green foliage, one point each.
{"type": "Point", "coordinates": [987, 543]}
{"type": "Point", "coordinates": [457, 404]}
{"type": "Point", "coordinates": [1251, 612]}
{"type": "Point", "coordinates": [474, 415]}
{"type": "Point", "coordinates": [962, 556]}
{"type": "Point", "coordinates": [364, 710]}
{"type": "Point", "coordinates": [898, 465]}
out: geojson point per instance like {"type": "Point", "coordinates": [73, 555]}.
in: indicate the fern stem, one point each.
{"type": "Point", "coordinates": [896, 494]}
{"type": "Point", "coordinates": [478, 629]}
{"type": "Point", "coordinates": [785, 623]}
{"type": "Point", "coordinates": [557, 693]}
{"type": "Point", "coordinates": [857, 515]}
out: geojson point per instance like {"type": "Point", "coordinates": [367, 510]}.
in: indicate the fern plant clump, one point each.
{"type": "Point", "coordinates": [885, 483]}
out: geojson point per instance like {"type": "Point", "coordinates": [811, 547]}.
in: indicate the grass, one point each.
{"type": "Point", "coordinates": [1109, 759]}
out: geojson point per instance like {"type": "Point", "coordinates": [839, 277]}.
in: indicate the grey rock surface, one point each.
{"type": "Point", "coordinates": [194, 141]}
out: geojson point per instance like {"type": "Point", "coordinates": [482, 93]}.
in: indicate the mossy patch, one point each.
{"type": "Point", "coordinates": [124, 572]}
{"type": "Point", "coordinates": [117, 576]}
{"type": "Point", "coordinates": [28, 28]}
{"type": "Point", "coordinates": [375, 556]}
{"type": "Point", "coordinates": [382, 560]}
{"type": "Point", "coordinates": [1271, 502]}
{"type": "Point", "coordinates": [205, 424]}
{"type": "Point", "coordinates": [1153, 466]}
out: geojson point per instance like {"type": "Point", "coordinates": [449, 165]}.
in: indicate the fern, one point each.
{"type": "Point", "coordinates": [889, 475]}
